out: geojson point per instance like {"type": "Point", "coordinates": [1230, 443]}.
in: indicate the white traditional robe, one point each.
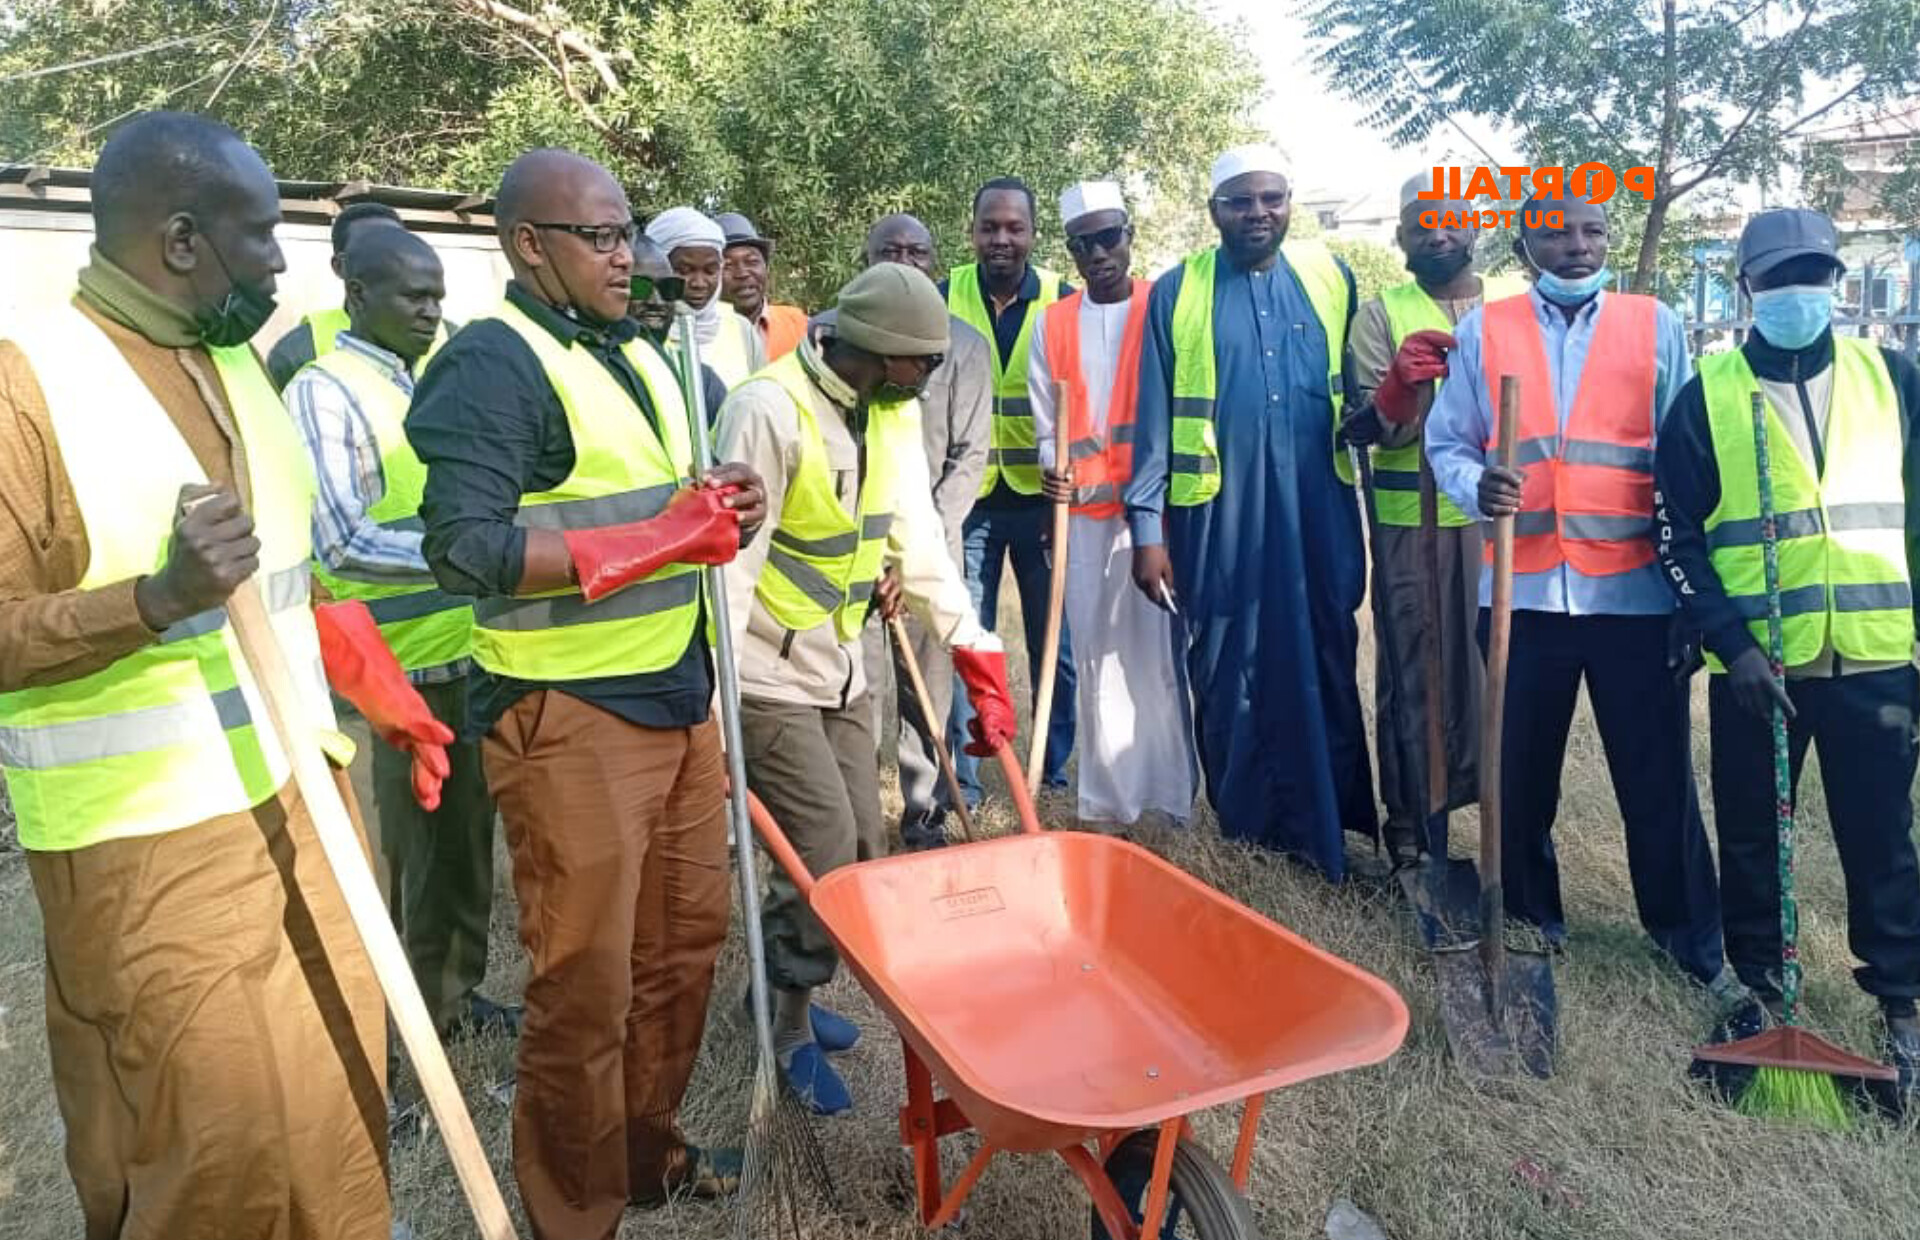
{"type": "Point", "coordinates": [1135, 725]}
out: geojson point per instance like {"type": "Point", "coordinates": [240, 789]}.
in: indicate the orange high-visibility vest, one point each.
{"type": "Point", "coordinates": [1102, 462]}
{"type": "Point", "coordinates": [1587, 498]}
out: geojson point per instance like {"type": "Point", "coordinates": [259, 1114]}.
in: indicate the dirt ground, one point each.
{"type": "Point", "coordinates": [1628, 1150]}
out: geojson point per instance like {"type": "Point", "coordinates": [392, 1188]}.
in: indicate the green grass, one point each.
{"type": "Point", "coordinates": [1618, 1146]}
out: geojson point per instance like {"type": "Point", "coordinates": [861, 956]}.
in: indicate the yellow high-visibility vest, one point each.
{"type": "Point", "coordinates": [1841, 536]}
{"type": "Point", "coordinates": [1396, 471]}
{"type": "Point", "coordinates": [623, 470]}
{"type": "Point", "coordinates": [423, 625]}
{"type": "Point", "coordinates": [1193, 469]}
{"type": "Point", "coordinates": [823, 560]}
{"type": "Point", "coordinates": [174, 733]}
{"type": "Point", "coordinates": [1013, 452]}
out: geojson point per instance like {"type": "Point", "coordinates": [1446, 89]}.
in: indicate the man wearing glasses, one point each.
{"type": "Point", "coordinates": [650, 302]}
{"type": "Point", "coordinates": [834, 430]}
{"type": "Point", "coordinates": [1244, 518]}
{"type": "Point", "coordinates": [1136, 739]}
{"type": "Point", "coordinates": [560, 495]}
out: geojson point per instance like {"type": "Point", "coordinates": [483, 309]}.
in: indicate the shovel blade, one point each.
{"type": "Point", "coordinates": [1516, 1036]}
{"type": "Point", "coordinates": [1445, 895]}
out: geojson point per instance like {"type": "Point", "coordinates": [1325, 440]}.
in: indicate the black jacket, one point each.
{"type": "Point", "coordinates": [1687, 477]}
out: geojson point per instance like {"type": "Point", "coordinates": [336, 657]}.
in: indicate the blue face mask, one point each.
{"type": "Point", "coordinates": [1793, 317]}
{"type": "Point", "coordinates": [1565, 292]}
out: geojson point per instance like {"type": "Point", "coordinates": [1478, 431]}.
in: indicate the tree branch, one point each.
{"type": "Point", "coordinates": [1761, 102]}
{"type": "Point", "coordinates": [568, 41]}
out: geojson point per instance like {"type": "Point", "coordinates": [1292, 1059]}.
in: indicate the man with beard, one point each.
{"type": "Point", "coordinates": [1243, 516]}
{"type": "Point", "coordinates": [1136, 739]}
{"type": "Point", "coordinates": [1001, 295]}
{"type": "Point", "coordinates": [1399, 345]}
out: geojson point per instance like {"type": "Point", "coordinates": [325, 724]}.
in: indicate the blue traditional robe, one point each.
{"type": "Point", "coordinates": [1270, 574]}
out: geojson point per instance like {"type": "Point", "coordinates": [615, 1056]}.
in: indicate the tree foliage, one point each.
{"type": "Point", "coordinates": [812, 116]}
{"type": "Point", "coordinates": [1703, 91]}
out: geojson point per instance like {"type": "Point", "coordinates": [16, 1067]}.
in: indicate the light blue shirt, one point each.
{"type": "Point", "coordinates": [1462, 421]}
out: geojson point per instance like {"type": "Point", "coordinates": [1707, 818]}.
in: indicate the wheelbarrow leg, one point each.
{"type": "Point", "coordinates": [1157, 1188]}
{"type": "Point", "coordinates": [920, 1132]}
{"type": "Point", "coordinates": [1249, 1130]}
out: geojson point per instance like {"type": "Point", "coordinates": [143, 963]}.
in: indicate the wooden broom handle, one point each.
{"type": "Point", "coordinates": [1056, 599]}
{"type": "Point", "coordinates": [903, 642]}
{"type": "Point", "coordinates": [247, 613]}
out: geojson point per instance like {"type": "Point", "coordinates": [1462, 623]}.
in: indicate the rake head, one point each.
{"type": "Point", "coordinates": [782, 1162]}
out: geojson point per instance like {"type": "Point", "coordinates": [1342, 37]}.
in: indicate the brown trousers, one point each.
{"type": "Point", "coordinates": [217, 1035]}
{"type": "Point", "coordinates": [618, 834]}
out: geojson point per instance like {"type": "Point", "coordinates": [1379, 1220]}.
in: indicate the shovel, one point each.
{"type": "Point", "coordinates": [1498, 1004]}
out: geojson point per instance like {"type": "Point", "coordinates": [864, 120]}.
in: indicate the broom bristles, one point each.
{"type": "Point", "coordinates": [1795, 1094]}
{"type": "Point", "coordinates": [781, 1160]}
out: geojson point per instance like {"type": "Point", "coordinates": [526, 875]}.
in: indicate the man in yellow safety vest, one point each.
{"type": "Point", "coordinates": [216, 1030]}
{"type": "Point", "coordinates": [1843, 451]}
{"type": "Point", "coordinates": [834, 429]}
{"type": "Point", "coordinates": [314, 334]}
{"type": "Point", "coordinates": [730, 345]}
{"type": "Point", "coordinates": [1399, 346]}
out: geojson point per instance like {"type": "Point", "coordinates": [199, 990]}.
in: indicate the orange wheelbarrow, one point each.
{"type": "Point", "coordinates": [1073, 993]}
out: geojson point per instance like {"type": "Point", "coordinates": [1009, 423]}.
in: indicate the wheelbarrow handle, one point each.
{"type": "Point", "coordinates": [775, 841]}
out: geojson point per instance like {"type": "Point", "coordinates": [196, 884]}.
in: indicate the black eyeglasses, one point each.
{"type": "Point", "coordinates": [605, 238]}
{"type": "Point", "coordinates": [1085, 244]}
{"type": "Point", "coordinates": [929, 362]}
{"type": "Point", "coordinates": [670, 288]}
{"type": "Point", "coordinates": [1244, 204]}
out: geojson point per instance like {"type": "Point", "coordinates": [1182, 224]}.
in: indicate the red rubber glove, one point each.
{"type": "Point", "coordinates": [1422, 357]}
{"type": "Point", "coordinates": [984, 672]}
{"type": "Point", "coordinates": [696, 527]}
{"type": "Point", "coordinates": [362, 670]}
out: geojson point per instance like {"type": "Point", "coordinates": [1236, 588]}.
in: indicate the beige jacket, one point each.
{"type": "Point", "coordinates": [760, 428]}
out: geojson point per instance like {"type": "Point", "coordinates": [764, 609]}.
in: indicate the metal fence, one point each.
{"type": "Point", "coordinates": [1711, 329]}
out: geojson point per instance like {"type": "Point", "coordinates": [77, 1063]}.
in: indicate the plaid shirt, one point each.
{"type": "Point", "coordinates": [346, 465]}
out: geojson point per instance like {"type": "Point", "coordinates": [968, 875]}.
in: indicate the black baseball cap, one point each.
{"type": "Point", "coordinates": [739, 230]}
{"type": "Point", "coordinates": [1774, 237]}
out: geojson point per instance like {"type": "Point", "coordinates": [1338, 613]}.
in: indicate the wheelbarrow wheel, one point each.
{"type": "Point", "coordinates": [1202, 1202]}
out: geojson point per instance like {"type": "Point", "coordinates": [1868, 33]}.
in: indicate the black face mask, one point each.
{"type": "Point", "coordinates": [239, 316]}
{"type": "Point", "coordinates": [1439, 268]}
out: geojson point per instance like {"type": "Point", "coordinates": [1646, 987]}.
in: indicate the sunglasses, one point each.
{"type": "Point", "coordinates": [1245, 204]}
{"type": "Point", "coordinates": [670, 288]}
{"type": "Point", "coordinates": [928, 362]}
{"type": "Point", "coordinates": [1083, 245]}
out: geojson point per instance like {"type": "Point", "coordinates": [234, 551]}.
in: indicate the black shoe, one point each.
{"type": "Point", "coordinates": [484, 1016]}
{"type": "Point", "coordinates": [1903, 1055]}
{"type": "Point", "coordinates": [920, 834]}
{"type": "Point", "coordinates": [703, 1174]}
{"type": "Point", "coordinates": [1729, 1080]}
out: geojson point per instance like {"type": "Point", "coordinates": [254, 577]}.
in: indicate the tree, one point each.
{"type": "Point", "coordinates": [812, 116]}
{"type": "Point", "coordinates": [1704, 92]}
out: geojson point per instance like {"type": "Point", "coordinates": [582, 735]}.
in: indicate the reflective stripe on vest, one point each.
{"type": "Point", "coordinates": [1396, 471]}
{"type": "Point", "coordinates": [1587, 498]}
{"type": "Point", "coordinates": [162, 738]}
{"type": "Point", "coordinates": [1193, 467]}
{"type": "Point", "coordinates": [1013, 452]}
{"type": "Point", "coordinates": [1842, 537]}
{"type": "Point", "coordinates": [423, 625]}
{"type": "Point", "coordinates": [822, 561]}
{"type": "Point", "coordinates": [622, 471]}
{"type": "Point", "coordinates": [1101, 459]}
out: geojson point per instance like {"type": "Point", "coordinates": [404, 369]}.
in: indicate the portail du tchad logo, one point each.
{"type": "Point", "coordinates": [1590, 182]}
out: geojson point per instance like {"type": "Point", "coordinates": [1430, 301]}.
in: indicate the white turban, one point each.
{"type": "Point", "coordinates": [1410, 192]}
{"type": "Point", "coordinates": [677, 228]}
{"type": "Point", "coordinates": [1086, 197]}
{"type": "Point", "coordinates": [1239, 161]}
